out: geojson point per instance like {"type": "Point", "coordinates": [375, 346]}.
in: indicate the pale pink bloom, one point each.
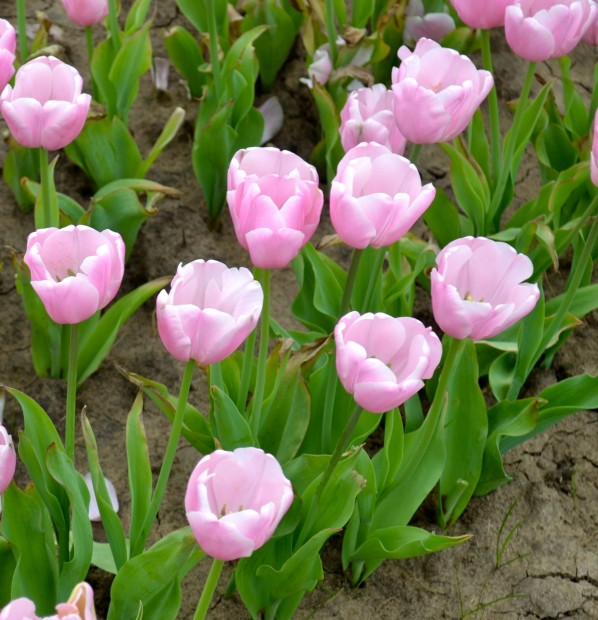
{"type": "Point", "coordinates": [86, 12]}
{"type": "Point", "coordinates": [80, 606]}
{"type": "Point", "coordinates": [235, 501]}
{"type": "Point", "coordinates": [541, 29]}
{"type": "Point", "coordinates": [376, 196]}
{"type": "Point", "coordinates": [273, 115]}
{"type": "Point", "coordinates": [8, 459]}
{"type": "Point", "coordinates": [368, 116]}
{"type": "Point", "coordinates": [275, 204]}
{"type": "Point", "coordinates": [437, 91]}
{"type": "Point", "coordinates": [8, 44]}
{"type": "Point", "coordinates": [209, 311]}
{"type": "Point", "coordinates": [594, 153]}
{"type": "Point", "coordinates": [482, 14]}
{"type": "Point", "coordinates": [420, 25]}
{"type": "Point", "coordinates": [45, 108]}
{"type": "Point", "coordinates": [75, 270]}
{"type": "Point", "coordinates": [320, 68]}
{"type": "Point", "coordinates": [382, 360]}
{"type": "Point", "coordinates": [94, 510]}
{"type": "Point", "coordinates": [591, 34]}
{"type": "Point", "coordinates": [478, 289]}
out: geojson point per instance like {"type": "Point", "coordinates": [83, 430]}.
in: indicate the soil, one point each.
{"type": "Point", "coordinates": [549, 567]}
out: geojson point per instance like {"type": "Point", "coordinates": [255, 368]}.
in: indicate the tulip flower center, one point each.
{"type": "Point", "coordinates": [468, 297]}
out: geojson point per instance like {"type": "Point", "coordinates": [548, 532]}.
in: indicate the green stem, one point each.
{"type": "Point", "coordinates": [263, 275]}
{"type": "Point", "coordinates": [330, 467]}
{"type": "Point", "coordinates": [113, 24]}
{"type": "Point", "coordinates": [214, 49]}
{"type": "Point", "coordinates": [22, 31]}
{"type": "Point", "coordinates": [246, 371]}
{"type": "Point", "coordinates": [376, 274]}
{"type": "Point", "coordinates": [138, 539]}
{"type": "Point", "coordinates": [350, 282]}
{"type": "Point", "coordinates": [331, 31]}
{"type": "Point", "coordinates": [208, 590]}
{"type": "Point", "coordinates": [47, 216]}
{"type": "Point", "coordinates": [89, 40]}
{"type": "Point", "coordinates": [505, 171]}
{"type": "Point", "coordinates": [493, 107]}
{"type": "Point", "coordinates": [414, 154]}
{"type": "Point", "coordinates": [71, 394]}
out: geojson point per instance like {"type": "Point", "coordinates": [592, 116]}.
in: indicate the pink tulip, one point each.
{"type": "Point", "coordinates": [8, 459]}
{"type": "Point", "coordinates": [80, 606]}
{"type": "Point", "coordinates": [275, 204]}
{"type": "Point", "coordinates": [382, 360]}
{"type": "Point", "coordinates": [8, 44]}
{"type": "Point", "coordinates": [45, 108]}
{"type": "Point", "coordinates": [594, 154]}
{"type": "Point", "coordinates": [235, 501]}
{"type": "Point", "coordinates": [376, 196]}
{"type": "Point", "coordinates": [591, 34]}
{"type": "Point", "coordinates": [368, 116]}
{"type": "Point", "coordinates": [541, 29]}
{"type": "Point", "coordinates": [437, 91]}
{"type": "Point", "coordinates": [86, 12]}
{"type": "Point", "coordinates": [76, 270]}
{"type": "Point", "coordinates": [209, 311]}
{"type": "Point", "coordinates": [420, 25]}
{"type": "Point", "coordinates": [320, 68]}
{"type": "Point", "coordinates": [477, 289]}
{"type": "Point", "coordinates": [482, 15]}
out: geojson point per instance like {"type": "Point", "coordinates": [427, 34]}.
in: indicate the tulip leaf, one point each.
{"type": "Point", "coordinates": [96, 345]}
{"type": "Point", "coordinates": [8, 563]}
{"type": "Point", "coordinates": [330, 120]}
{"type": "Point", "coordinates": [137, 14]}
{"type": "Point", "coordinates": [198, 13]}
{"type": "Point", "coordinates": [186, 55]}
{"type": "Point", "coordinates": [466, 429]}
{"type": "Point", "coordinates": [442, 218]}
{"type": "Point", "coordinates": [167, 135]}
{"type": "Point", "coordinates": [505, 419]}
{"type": "Point", "coordinates": [112, 525]}
{"type": "Point", "coordinates": [229, 428]}
{"type": "Point", "coordinates": [75, 570]}
{"type": "Point", "coordinates": [153, 579]}
{"type": "Point", "coordinates": [478, 143]}
{"type": "Point", "coordinates": [387, 461]}
{"type": "Point", "coordinates": [20, 162]}
{"type": "Point", "coordinates": [27, 526]}
{"type": "Point", "coordinates": [501, 374]}
{"type": "Point", "coordinates": [196, 429]}
{"type": "Point", "coordinates": [101, 62]}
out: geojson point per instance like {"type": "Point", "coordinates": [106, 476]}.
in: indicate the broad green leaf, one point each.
{"type": "Point", "coordinates": [20, 162]}
{"type": "Point", "coordinates": [186, 55]}
{"type": "Point", "coordinates": [330, 119]}
{"type": "Point", "coordinates": [137, 14]}
{"type": "Point", "coordinates": [229, 427]}
{"type": "Point", "coordinates": [501, 374]}
{"type": "Point", "coordinates": [8, 563]}
{"type": "Point", "coordinates": [478, 145]}
{"type": "Point", "coordinates": [198, 13]}
{"type": "Point", "coordinates": [169, 131]}
{"type": "Point", "coordinates": [442, 218]}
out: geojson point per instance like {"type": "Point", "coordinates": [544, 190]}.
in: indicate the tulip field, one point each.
{"type": "Point", "coordinates": [299, 309]}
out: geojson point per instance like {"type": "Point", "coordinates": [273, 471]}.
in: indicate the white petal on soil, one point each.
{"type": "Point", "coordinates": [94, 511]}
{"type": "Point", "coordinates": [273, 115]}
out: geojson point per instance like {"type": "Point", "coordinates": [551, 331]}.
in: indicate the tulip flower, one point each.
{"type": "Point", "coordinates": [478, 289]}
{"type": "Point", "coordinates": [80, 606]}
{"type": "Point", "coordinates": [591, 34]}
{"type": "Point", "coordinates": [46, 107]}
{"type": "Point", "coordinates": [482, 15]}
{"type": "Point", "coordinates": [235, 500]}
{"type": "Point", "coordinates": [420, 25]}
{"type": "Point", "coordinates": [594, 154]}
{"type": "Point", "coordinates": [8, 44]}
{"type": "Point", "coordinates": [86, 12]}
{"type": "Point", "coordinates": [209, 311]}
{"type": "Point", "coordinates": [75, 270]}
{"type": "Point", "coordinates": [8, 459]}
{"type": "Point", "coordinates": [368, 116]}
{"type": "Point", "coordinates": [383, 360]}
{"type": "Point", "coordinates": [320, 67]}
{"type": "Point", "coordinates": [376, 196]}
{"type": "Point", "coordinates": [437, 91]}
{"type": "Point", "coordinates": [539, 30]}
{"type": "Point", "coordinates": [275, 204]}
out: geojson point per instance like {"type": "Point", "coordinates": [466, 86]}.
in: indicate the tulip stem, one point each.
{"type": "Point", "coordinates": [246, 371]}
{"type": "Point", "coordinates": [22, 31]}
{"type": "Point", "coordinates": [493, 107]}
{"type": "Point", "coordinates": [263, 276]}
{"type": "Point", "coordinates": [331, 31]}
{"type": "Point", "coordinates": [47, 216]}
{"type": "Point", "coordinates": [414, 153]}
{"type": "Point", "coordinates": [71, 393]}
{"type": "Point", "coordinates": [350, 283]}
{"type": "Point", "coordinates": [208, 590]}
{"type": "Point", "coordinates": [496, 208]}
{"type": "Point", "coordinates": [138, 539]}
{"type": "Point", "coordinates": [214, 49]}
{"type": "Point", "coordinates": [376, 273]}
{"type": "Point", "coordinates": [113, 24]}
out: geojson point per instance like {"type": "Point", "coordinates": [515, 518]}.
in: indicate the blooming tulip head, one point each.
{"type": "Point", "coordinates": [376, 196]}
{"type": "Point", "coordinates": [437, 91]}
{"type": "Point", "coordinates": [8, 44]}
{"type": "Point", "coordinates": [368, 116]}
{"type": "Point", "coordinates": [235, 501]}
{"type": "Point", "coordinates": [541, 29]}
{"type": "Point", "coordinates": [419, 24]}
{"type": "Point", "coordinates": [594, 154]}
{"type": "Point", "coordinates": [209, 311]}
{"type": "Point", "coordinates": [45, 108]}
{"type": "Point", "coordinates": [480, 14]}
{"type": "Point", "coordinates": [8, 459]}
{"type": "Point", "coordinates": [591, 34]}
{"type": "Point", "coordinates": [383, 360]}
{"type": "Point", "coordinates": [478, 289]}
{"type": "Point", "coordinates": [76, 270]}
{"type": "Point", "coordinates": [86, 12]}
{"type": "Point", "coordinates": [275, 204]}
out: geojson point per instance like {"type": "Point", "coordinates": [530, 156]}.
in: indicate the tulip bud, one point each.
{"type": "Point", "coordinates": [482, 15]}
{"type": "Point", "coordinates": [8, 44]}
{"type": "Point", "coordinates": [8, 459]}
{"type": "Point", "coordinates": [419, 25]}
{"type": "Point", "coordinates": [86, 12]}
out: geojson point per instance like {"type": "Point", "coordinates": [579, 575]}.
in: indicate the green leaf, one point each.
{"type": "Point", "coordinates": [101, 64]}
{"type": "Point", "coordinates": [387, 461]}
{"type": "Point", "coordinates": [137, 14]}
{"type": "Point", "coordinates": [20, 162]}
{"type": "Point", "coordinates": [96, 345]}
{"type": "Point", "coordinates": [330, 120]}
{"type": "Point", "coordinates": [186, 55]}
{"type": "Point", "coordinates": [198, 13]}
{"type": "Point", "coordinates": [479, 147]}
{"type": "Point", "coordinates": [169, 131]}
{"type": "Point", "coordinates": [229, 427]}
{"type": "Point", "coordinates": [443, 219]}
{"type": "Point", "coordinates": [153, 579]}
{"type": "Point", "coordinates": [8, 563]}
